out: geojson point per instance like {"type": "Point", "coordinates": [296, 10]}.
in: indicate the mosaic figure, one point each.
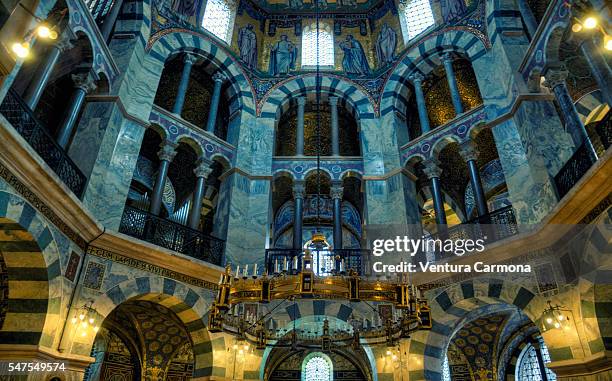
{"type": "Point", "coordinates": [385, 45]}
{"type": "Point", "coordinates": [247, 44]}
{"type": "Point", "coordinates": [283, 55]}
{"type": "Point", "coordinates": [355, 60]}
{"type": "Point", "coordinates": [452, 9]}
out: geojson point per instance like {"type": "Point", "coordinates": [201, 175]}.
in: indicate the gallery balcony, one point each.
{"type": "Point", "coordinates": [171, 235]}
{"type": "Point", "coordinates": [325, 262]}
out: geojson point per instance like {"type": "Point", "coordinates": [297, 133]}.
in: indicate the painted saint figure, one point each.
{"type": "Point", "coordinates": [385, 45]}
{"type": "Point", "coordinates": [355, 60]}
{"type": "Point", "coordinates": [283, 55]}
{"type": "Point", "coordinates": [247, 44]}
{"type": "Point", "coordinates": [452, 9]}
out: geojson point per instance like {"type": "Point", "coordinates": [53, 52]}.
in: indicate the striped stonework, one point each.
{"type": "Point", "coordinates": [188, 304]}
{"type": "Point", "coordinates": [33, 272]}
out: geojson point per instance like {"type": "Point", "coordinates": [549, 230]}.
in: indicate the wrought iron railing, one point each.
{"type": "Point", "coordinates": [573, 170]}
{"type": "Point", "coordinates": [17, 112]}
{"type": "Point", "coordinates": [325, 262]}
{"type": "Point", "coordinates": [171, 235]}
{"type": "Point", "coordinates": [490, 228]}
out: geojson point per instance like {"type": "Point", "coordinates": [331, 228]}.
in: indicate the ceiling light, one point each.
{"type": "Point", "coordinates": [608, 43]}
{"type": "Point", "coordinates": [590, 22]}
{"type": "Point", "coordinates": [43, 31]}
{"type": "Point", "coordinates": [576, 27]}
{"type": "Point", "coordinates": [21, 50]}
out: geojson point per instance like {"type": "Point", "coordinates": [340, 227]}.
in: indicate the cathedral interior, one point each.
{"type": "Point", "coordinates": [206, 199]}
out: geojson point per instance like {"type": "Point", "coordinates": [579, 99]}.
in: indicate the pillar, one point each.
{"type": "Point", "coordinates": [299, 191]}
{"type": "Point", "coordinates": [179, 102]}
{"type": "Point", "coordinates": [470, 155]}
{"type": "Point", "coordinates": [540, 358]}
{"type": "Point", "coordinates": [202, 171]}
{"type": "Point", "coordinates": [214, 102]}
{"type": "Point", "coordinates": [433, 171]}
{"type": "Point", "coordinates": [335, 133]}
{"type": "Point", "coordinates": [337, 193]}
{"type": "Point", "coordinates": [41, 77]}
{"type": "Point", "coordinates": [299, 133]}
{"type": "Point", "coordinates": [555, 80]}
{"type": "Point", "coordinates": [602, 73]}
{"type": "Point", "coordinates": [447, 59]}
{"type": "Point", "coordinates": [166, 155]}
{"type": "Point", "coordinates": [417, 81]}
{"type": "Point", "coordinates": [84, 84]}
{"type": "Point", "coordinates": [110, 19]}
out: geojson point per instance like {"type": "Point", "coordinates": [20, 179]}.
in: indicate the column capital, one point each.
{"type": "Point", "coordinates": [468, 150]}
{"type": "Point", "coordinates": [203, 168]}
{"type": "Point", "coordinates": [333, 101]}
{"type": "Point", "coordinates": [167, 150]}
{"type": "Point", "coordinates": [446, 58]}
{"type": "Point", "coordinates": [299, 189]}
{"type": "Point", "coordinates": [337, 191]}
{"type": "Point", "coordinates": [219, 77]}
{"type": "Point", "coordinates": [301, 101]}
{"type": "Point", "coordinates": [555, 77]}
{"type": "Point", "coordinates": [84, 81]}
{"type": "Point", "coordinates": [190, 59]}
{"type": "Point", "coordinates": [416, 78]}
{"type": "Point", "coordinates": [432, 169]}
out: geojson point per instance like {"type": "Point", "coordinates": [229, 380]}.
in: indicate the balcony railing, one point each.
{"type": "Point", "coordinates": [573, 170]}
{"type": "Point", "coordinates": [17, 112]}
{"type": "Point", "coordinates": [325, 262]}
{"type": "Point", "coordinates": [171, 235]}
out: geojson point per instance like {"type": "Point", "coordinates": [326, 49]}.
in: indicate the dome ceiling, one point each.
{"type": "Point", "coordinates": [308, 6]}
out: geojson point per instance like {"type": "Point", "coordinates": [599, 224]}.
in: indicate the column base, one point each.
{"type": "Point", "coordinates": [595, 367]}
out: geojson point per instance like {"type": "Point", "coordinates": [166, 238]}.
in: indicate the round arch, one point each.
{"type": "Point", "coordinates": [306, 365]}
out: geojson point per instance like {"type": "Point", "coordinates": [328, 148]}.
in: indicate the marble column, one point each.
{"type": "Point", "coordinates": [417, 81]}
{"type": "Point", "coordinates": [470, 155]}
{"type": "Point", "coordinates": [214, 102]}
{"type": "Point", "coordinates": [600, 70]}
{"type": "Point", "coordinates": [202, 171]}
{"type": "Point", "coordinates": [299, 133]}
{"type": "Point", "coordinates": [43, 73]}
{"type": "Point", "coordinates": [540, 358]}
{"type": "Point", "coordinates": [335, 129]}
{"type": "Point", "coordinates": [166, 155]}
{"type": "Point", "coordinates": [433, 171]}
{"type": "Point", "coordinates": [84, 84]}
{"type": "Point", "coordinates": [179, 102]}
{"type": "Point", "coordinates": [555, 80]}
{"type": "Point", "coordinates": [299, 192]}
{"type": "Point", "coordinates": [337, 193]}
{"type": "Point", "coordinates": [110, 19]}
{"type": "Point", "coordinates": [447, 59]}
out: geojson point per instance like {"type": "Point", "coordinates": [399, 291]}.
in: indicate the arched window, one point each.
{"type": "Point", "coordinates": [317, 367]}
{"type": "Point", "coordinates": [218, 17]}
{"type": "Point", "coordinates": [528, 368]}
{"type": "Point", "coordinates": [309, 45]}
{"type": "Point", "coordinates": [417, 16]}
{"type": "Point", "coordinates": [323, 260]}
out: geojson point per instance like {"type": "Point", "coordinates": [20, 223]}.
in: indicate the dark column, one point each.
{"type": "Point", "coordinates": [601, 71]}
{"type": "Point", "coordinates": [337, 193]}
{"type": "Point", "coordinates": [299, 132]}
{"type": "Point", "coordinates": [417, 81]}
{"type": "Point", "coordinates": [335, 129]}
{"type": "Point", "coordinates": [41, 77]}
{"type": "Point", "coordinates": [110, 19]}
{"type": "Point", "coordinates": [179, 102]}
{"type": "Point", "coordinates": [555, 80]}
{"type": "Point", "coordinates": [166, 155]}
{"type": "Point", "coordinates": [202, 171]}
{"type": "Point", "coordinates": [84, 84]}
{"type": "Point", "coordinates": [470, 155]}
{"type": "Point", "coordinates": [299, 191]}
{"type": "Point", "coordinates": [433, 172]}
{"type": "Point", "coordinates": [214, 102]}
{"type": "Point", "coordinates": [447, 60]}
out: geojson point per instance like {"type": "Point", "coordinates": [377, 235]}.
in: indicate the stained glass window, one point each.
{"type": "Point", "coordinates": [529, 369]}
{"type": "Point", "coordinates": [417, 17]}
{"type": "Point", "coordinates": [309, 45]}
{"type": "Point", "coordinates": [218, 19]}
{"type": "Point", "coordinates": [317, 369]}
{"type": "Point", "coordinates": [446, 376]}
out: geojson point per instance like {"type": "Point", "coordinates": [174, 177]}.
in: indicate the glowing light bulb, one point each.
{"type": "Point", "coordinates": [96, 329]}
{"type": "Point", "coordinates": [53, 35]}
{"type": "Point", "coordinates": [590, 22]}
{"type": "Point", "coordinates": [91, 320]}
{"type": "Point", "coordinates": [388, 352]}
{"type": "Point", "coordinates": [83, 334]}
{"type": "Point", "coordinates": [549, 320]}
{"type": "Point", "coordinates": [81, 316]}
{"type": "Point", "coordinates": [241, 352]}
{"type": "Point", "coordinates": [246, 347]}
{"type": "Point", "coordinates": [84, 324]}
{"type": "Point", "coordinates": [557, 325]}
{"type": "Point", "coordinates": [73, 320]}
{"type": "Point", "coordinates": [235, 346]}
{"type": "Point", "coordinates": [576, 27]}
{"type": "Point", "coordinates": [560, 317]}
{"type": "Point", "coordinates": [21, 50]}
{"type": "Point", "coordinates": [394, 357]}
{"type": "Point", "coordinates": [43, 31]}
{"type": "Point", "coordinates": [608, 43]}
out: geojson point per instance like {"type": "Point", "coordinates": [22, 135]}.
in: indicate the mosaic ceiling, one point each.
{"type": "Point", "coordinates": [349, 6]}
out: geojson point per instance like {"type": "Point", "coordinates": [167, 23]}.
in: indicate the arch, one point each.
{"type": "Point", "coordinates": [422, 58]}
{"type": "Point", "coordinates": [310, 172]}
{"type": "Point", "coordinates": [190, 306]}
{"type": "Point", "coordinates": [552, 43]}
{"type": "Point", "coordinates": [32, 261]}
{"type": "Point", "coordinates": [161, 131]}
{"type": "Point", "coordinates": [192, 143]}
{"type": "Point", "coordinates": [312, 357]}
{"type": "Point", "coordinates": [223, 160]}
{"type": "Point", "coordinates": [351, 173]}
{"type": "Point", "coordinates": [443, 142]}
{"type": "Point", "coordinates": [281, 172]}
{"type": "Point", "coordinates": [163, 45]}
{"type": "Point", "coordinates": [355, 95]}
{"type": "Point", "coordinates": [413, 160]}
